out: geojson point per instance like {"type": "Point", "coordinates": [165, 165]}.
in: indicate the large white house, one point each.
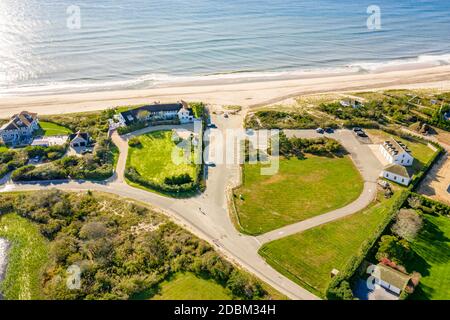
{"type": "Point", "coordinates": [395, 152]}
{"type": "Point", "coordinates": [20, 128]}
{"type": "Point", "coordinates": [157, 112]}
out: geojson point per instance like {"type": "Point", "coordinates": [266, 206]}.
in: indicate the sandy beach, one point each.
{"type": "Point", "coordinates": [248, 94]}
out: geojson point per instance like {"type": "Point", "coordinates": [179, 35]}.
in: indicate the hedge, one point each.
{"type": "Point", "coordinates": [134, 176]}
{"type": "Point", "coordinates": [339, 289]}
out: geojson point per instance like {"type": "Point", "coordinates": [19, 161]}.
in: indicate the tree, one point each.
{"type": "Point", "coordinates": [394, 249]}
{"type": "Point", "coordinates": [93, 230]}
{"type": "Point", "coordinates": [408, 224]}
{"type": "Point", "coordinates": [414, 202]}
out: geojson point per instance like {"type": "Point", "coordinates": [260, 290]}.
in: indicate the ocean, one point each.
{"type": "Point", "coordinates": [56, 46]}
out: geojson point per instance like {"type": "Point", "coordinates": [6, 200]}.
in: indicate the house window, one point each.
{"type": "Point", "coordinates": [395, 178]}
{"type": "Point", "coordinates": [403, 180]}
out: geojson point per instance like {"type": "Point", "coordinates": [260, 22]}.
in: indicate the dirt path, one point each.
{"type": "Point", "coordinates": [437, 183]}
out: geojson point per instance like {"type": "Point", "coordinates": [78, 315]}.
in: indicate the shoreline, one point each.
{"type": "Point", "coordinates": [247, 93]}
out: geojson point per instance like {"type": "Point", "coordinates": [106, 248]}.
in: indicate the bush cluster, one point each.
{"type": "Point", "coordinates": [280, 120]}
{"type": "Point", "coordinates": [171, 185]}
{"type": "Point", "coordinates": [96, 166]}
{"type": "Point", "coordinates": [122, 255]}
{"type": "Point", "coordinates": [296, 147]}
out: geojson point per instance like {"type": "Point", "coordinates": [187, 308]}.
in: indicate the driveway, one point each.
{"type": "Point", "coordinates": [204, 215]}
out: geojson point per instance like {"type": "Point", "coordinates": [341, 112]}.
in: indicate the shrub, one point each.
{"type": "Point", "coordinates": [341, 292]}
{"type": "Point", "coordinates": [134, 142]}
{"type": "Point", "coordinates": [394, 249]}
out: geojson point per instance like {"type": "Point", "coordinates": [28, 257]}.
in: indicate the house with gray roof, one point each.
{"type": "Point", "coordinates": [20, 128]}
{"type": "Point", "coordinates": [157, 112]}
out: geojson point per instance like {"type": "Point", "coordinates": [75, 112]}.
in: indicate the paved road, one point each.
{"type": "Point", "coordinates": [206, 215]}
{"type": "Point", "coordinates": [366, 162]}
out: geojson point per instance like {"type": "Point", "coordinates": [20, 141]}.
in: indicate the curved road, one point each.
{"type": "Point", "coordinates": [206, 215]}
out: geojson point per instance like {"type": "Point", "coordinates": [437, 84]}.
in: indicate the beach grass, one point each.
{"type": "Point", "coordinates": [307, 258]}
{"type": "Point", "coordinates": [27, 257]}
{"type": "Point", "coordinates": [300, 190]}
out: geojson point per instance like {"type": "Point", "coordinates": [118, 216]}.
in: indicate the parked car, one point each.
{"type": "Point", "coordinates": [225, 115]}
{"type": "Point", "coordinates": [85, 151]}
{"type": "Point", "coordinates": [329, 130]}
{"type": "Point", "coordinates": [212, 125]}
{"type": "Point", "coordinates": [356, 129]}
{"type": "Point", "coordinates": [361, 134]}
{"type": "Point", "coordinates": [319, 130]}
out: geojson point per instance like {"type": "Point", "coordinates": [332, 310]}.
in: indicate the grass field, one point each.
{"type": "Point", "coordinates": [27, 257]}
{"type": "Point", "coordinates": [432, 248]}
{"type": "Point", "coordinates": [52, 129]}
{"type": "Point", "coordinates": [187, 286]}
{"type": "Point", "coordinates": [153, 159]}
{"type": "Point", "coordinates": [300, 190]}
{"type": "Point", "coordinates": [308, 257]}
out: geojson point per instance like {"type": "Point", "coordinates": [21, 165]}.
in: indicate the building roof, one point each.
{"type": "Point", "coordinates": [395, 147]}
{"type": "Point", "coordinates": [20, 120]}
{"type": "Point", "coordinates": [82, 135]}
{"type": "Point", "coordinates": [398, 170]}
{"type": "Point", "coordinates": [131, 115]}
{"type": "Point", "coordinates": [392, 276]}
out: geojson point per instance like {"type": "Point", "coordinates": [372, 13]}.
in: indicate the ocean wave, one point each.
{"type": "Point", "coordinates": [153, 80]}
{"type": "Point", "coordinates": [422, 60]}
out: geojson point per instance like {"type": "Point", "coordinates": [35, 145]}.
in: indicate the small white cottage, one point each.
{"type": "Point", "coordinates": [397, 173]}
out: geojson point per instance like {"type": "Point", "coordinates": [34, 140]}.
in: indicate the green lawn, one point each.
{"type": "Point", "coordinates": [432, 248]}
{"type": "Point", "coordinates": [27, 257]}
{"type": "Point", "coordinates": [52, 129]}
{"type": "Point", "coordinates": [308, 257]}
{"type": "Point", "coordinates": [187, 286]}
{"type": "Point", "coordinates": [300, 190]}
{"type": "Point", "coordinates": [153, 159]}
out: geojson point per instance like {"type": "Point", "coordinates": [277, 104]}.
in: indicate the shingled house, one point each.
{"type": "Point", "coordinates": [20, 128]}
{"type": "Point", "coordinates": [157, 112]}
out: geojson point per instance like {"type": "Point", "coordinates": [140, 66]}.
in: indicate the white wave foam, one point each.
{"type": "Point", "coordinates": [422, 60]}
{"type": "Point", "coordinates": [154, 79]}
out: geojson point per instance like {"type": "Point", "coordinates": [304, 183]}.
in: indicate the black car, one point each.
{"type": "Point", "coordinates": [356, 129]}
{"type": "Point", "coordinates": [361, 134]}
{"type": "Point", "coordinates": [329, 130]}
{"type": "Point", "coordinates": [319, 130]}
